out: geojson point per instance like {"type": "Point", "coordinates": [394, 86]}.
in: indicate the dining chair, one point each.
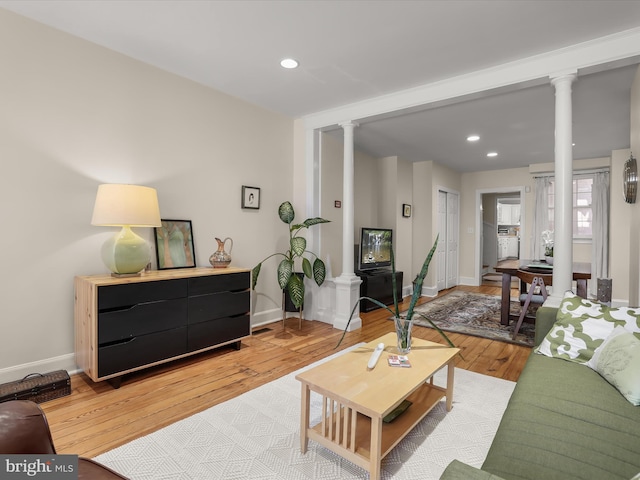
{"type": "Point", "coordinates": [537, 293]}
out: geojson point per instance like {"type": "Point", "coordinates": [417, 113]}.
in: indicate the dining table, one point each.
{"type": "Point", "coordinates": [510, 267]}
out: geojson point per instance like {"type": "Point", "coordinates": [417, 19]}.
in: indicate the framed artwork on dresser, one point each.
{"type": "Point", "coordinates": [174, 244]}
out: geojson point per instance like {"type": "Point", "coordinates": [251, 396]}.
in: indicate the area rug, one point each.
{"type": "Point", "coordinates": [475, 314]}
{"type": "Point", "coordinates": [256, 436]}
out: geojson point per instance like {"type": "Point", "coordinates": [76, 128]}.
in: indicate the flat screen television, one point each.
{"type": "Point", "coordinates": [375, 248]}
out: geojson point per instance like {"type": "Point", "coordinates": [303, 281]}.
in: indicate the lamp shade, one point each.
{"type": "Point", "coordinates": [126, 253]}
{"type": "Point", "coordinates": [132, 205]}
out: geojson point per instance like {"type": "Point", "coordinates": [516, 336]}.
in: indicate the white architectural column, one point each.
{"type": "Point", "coordinates": [348, 283]}
{"type": "Point", "coordinates": [563, 190]}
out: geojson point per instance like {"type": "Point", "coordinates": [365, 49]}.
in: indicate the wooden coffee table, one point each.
{"type": "Point", "coordinates": [355, 399]}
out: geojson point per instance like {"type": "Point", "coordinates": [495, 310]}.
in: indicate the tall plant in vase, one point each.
{"type": "Point", "coordinates": [287, 279]}
{"type": "Point", "coordinates": [547, 239]}
{"type": "Point", "coordinates": [404, 322]}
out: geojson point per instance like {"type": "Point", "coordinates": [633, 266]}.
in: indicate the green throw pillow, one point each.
{"type": "Point", "coordinates": [581, 327]}
{"type": "Point", "coordinates": [618, 361]}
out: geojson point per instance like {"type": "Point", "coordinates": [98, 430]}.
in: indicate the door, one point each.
{"type": "Point", "coordinates": [453, 228]}
{"type": "Point", "coordinates": [449, 231]}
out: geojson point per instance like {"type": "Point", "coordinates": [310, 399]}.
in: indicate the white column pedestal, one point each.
{"type": "Point", "coordinates": [348, 283]}
{"type": "Point", "coordinates": [563, 211]}
{"type": "Point", "coordinates": [347, 294]}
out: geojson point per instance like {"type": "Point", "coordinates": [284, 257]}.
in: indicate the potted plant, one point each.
{"type": "Point", "coordinates": [288, 280]}
{"type": "Point", "coordinates": [404, 322]}
{"type": "Point", "coordinates": [547, 239]}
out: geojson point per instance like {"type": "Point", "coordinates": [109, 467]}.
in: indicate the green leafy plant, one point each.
{"type": "Point", "coordinates": [294, 284]}
{"type": "Point", "coordinates": [404, 321]}
{"type": "Point", "coordinates": [547, 240]}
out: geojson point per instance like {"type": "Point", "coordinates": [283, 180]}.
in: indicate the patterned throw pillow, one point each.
{"type": "Point", "coordinates": [618, 361]}
{"type": "Point", "coordinates": [581, 327]}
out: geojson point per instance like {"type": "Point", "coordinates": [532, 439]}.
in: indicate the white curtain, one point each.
{"type": "Point", "coordinates": [600, 226]}
{"type": "Point", "coordinates": [540, 216]}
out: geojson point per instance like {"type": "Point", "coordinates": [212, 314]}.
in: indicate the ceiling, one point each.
{"type": "Point", "coordinates": [351, 51]}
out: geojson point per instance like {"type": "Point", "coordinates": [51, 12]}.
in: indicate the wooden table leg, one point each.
{"type": "Point", "coordinates": [450, 371]}
{"type": "Point", "coordinates": [581, 287]}
{"type": "Point", "coordinates": [506, 298]}
{"type": "Point", "coordinates": [375, 455]}
{"type": "Point", "coordinates": [304, 417]}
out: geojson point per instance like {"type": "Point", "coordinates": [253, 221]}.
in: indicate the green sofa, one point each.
{"type": "Point", "coordinates": [563, 421]}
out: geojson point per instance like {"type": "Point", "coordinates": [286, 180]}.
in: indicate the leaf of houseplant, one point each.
{"type": "Point", "coordinates": [296, 290]}
{"type": "Point", "coordinates": [286, 212]}
{"type": "Point", "coordinates": [319, 271]}
{"type": "Point", "coordinates": [420, 280]}
{"type": "Point", "coordinates": [306, 268]}
{"type": "Point", "coordinates": [254, 275]}
{"type": "Point", "coordinates": [285, 271]}
{"type": "Point", "coordinates": [439, 330]}
{"type": "Point", "coordinates": [298, 246]}
{"type": "Point", "coordinates": [373, 300]}
{"type": "Point", "coordinates": [314, 221]}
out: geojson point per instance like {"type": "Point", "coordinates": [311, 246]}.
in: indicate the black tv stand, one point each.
{"type": "Point", "coordinates": [374, 271]}
{"type": "Point", "coordinates": [378, 284]}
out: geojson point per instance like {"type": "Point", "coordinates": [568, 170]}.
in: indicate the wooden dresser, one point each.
{"type": "Point", "coordinates": [130, 323]}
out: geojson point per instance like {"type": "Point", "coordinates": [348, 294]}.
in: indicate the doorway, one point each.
{"type": "Point", "coordinates": [501, 229]}
{"type": "Point", "coordinates": [449, 230]}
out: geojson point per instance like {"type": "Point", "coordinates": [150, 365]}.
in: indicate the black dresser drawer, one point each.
{"type": "Point", "coordinates": [217, 305]}
{"type": "Point", "coordinates": [219, 283]}
{"type": "Point", "coordinates": [141, 350]}
{"type": "Point", "coordinates": [141, 319]}
{"type": "Point", "coordinates": [129, 294]}
{"type": "Point", "coordinates": [220, 330]}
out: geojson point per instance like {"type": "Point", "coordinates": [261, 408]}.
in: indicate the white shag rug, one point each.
{"type": "Point", "coordinates": [256, 436]}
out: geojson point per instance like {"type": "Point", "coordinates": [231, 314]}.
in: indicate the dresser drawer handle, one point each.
{"type": "Point", "coordinates": [124, 341]}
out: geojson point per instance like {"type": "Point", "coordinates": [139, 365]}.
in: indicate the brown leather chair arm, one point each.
{"type": "Point", "coordinates": [24, 429]}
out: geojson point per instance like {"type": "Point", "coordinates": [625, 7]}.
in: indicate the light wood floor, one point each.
{"type": "Point", "coordinates": [96, 418]}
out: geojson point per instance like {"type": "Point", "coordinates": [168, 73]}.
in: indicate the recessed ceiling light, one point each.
{"type": "Point", "coordinates": [492, 154]}
{"type": "Point", "coordinates": [473, 138]}
{"type": "Point", "coordinates": [289, 63]}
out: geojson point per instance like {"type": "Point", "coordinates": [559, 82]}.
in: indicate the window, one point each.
{"type": "Point", "coordinates": [582, 213]}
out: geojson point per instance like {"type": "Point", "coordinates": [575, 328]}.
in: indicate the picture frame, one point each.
{"type": "Point", "coordinates": [174, 244]}
{"type": "Point", "coordinates": [250, 197]}
{"type": "Point", "coordinates": [406, 210]}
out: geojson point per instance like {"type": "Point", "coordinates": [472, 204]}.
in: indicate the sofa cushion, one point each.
{"type": "Point", "coordinates": [581, 327]}
{"type": "Point", "coordinates": [618, 361]}
{"type": "Point", "coordinates": [457, 470]}
{"type": "Point", "coordinates": [565, 422]}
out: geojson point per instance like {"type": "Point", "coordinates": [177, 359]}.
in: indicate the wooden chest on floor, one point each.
{"type": "Point", "coordinates": [37, 387]}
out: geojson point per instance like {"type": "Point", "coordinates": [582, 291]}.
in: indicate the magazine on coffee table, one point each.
{"type": "Point", "coordinates": [399, 361]}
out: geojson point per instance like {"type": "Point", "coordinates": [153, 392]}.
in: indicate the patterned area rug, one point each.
{"type": "Point", "coordinates": [475, 314]}
{"type": "Point", "coordinates": [256, 436]}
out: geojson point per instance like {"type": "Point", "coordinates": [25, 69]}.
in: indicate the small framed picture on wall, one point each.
{"type": "Point", "coordinates": [406, 210]}
{"type": "Point", "coordinates": [250, 197]}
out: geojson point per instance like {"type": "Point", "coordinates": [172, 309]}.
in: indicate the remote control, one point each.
{"type": "Point", "coordinates": [375, 356]}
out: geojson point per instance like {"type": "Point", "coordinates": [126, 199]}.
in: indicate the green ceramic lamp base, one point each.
{"type": "Point", "coordinates": [126, 253]}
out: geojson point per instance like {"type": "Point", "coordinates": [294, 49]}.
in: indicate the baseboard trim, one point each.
{"type": "Point", "coordinates": [63, 362]}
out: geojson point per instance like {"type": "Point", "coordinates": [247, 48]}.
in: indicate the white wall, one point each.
{"type": "Point", "coordinates": [422, 215]}
{"type": "Point", "coordinates": [365, 197]}
{"type": "Point", "coordinates": [75, 115]}
{"type": "Point", "coordinates": [619, 240]}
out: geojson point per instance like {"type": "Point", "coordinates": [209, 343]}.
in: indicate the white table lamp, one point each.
{"type": "Point", "coordinates": [126, 253]}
